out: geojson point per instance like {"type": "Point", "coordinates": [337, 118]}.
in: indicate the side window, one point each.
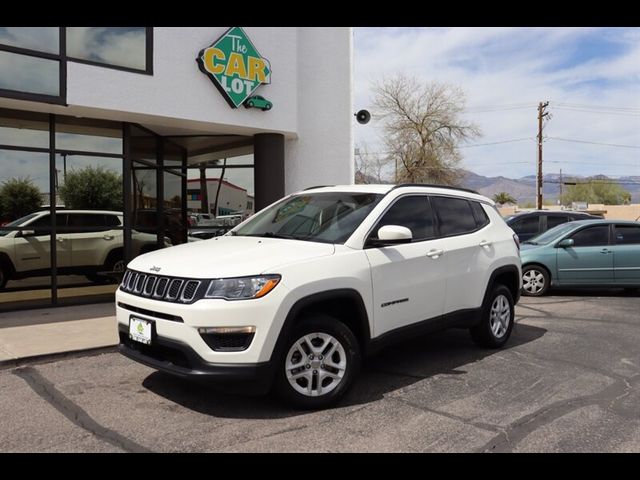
{"type": "Point", "coordinates": [555, 220]}
{"type": "Point", "coordinates": [627, 235]}
{"type": "Point", "coordinates": [481, 216]}
{"type": "Point", "coordinates": [86, 221]}
{"type": "Point", "coordinates": [42, 225]}
{"type": "Point", "coordinates": [591, 236]}
{"type": "Point", "coordinates": [526, 225]}
{"type": "Point", "coordinates": [454, 215]}
{"type": "Point", "coordinates": [411, 212]}
{"type": "Point", "coordinates": [112, 221]}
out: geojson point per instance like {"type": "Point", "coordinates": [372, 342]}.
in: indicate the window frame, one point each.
{"type": "Point", "coordinates": [375, 227]}
{"type": "Point", "coordinates": [575, 232]}
{"type": "Point", "coordinates": [615, 234]}
{"type": "Point", "coordinates": [468, 200]}
{"type": "Point", "coordinates": [148, 70]}
{"type": "Point", "coordinates": [62, 59]}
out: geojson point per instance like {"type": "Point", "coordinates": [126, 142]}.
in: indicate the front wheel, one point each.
{"type": "Point", "coordinates": [320, 362]}
{"type": "Point", "coordinates": [496, 324]}
{"type": "Point", "coordinates": [535, 281]}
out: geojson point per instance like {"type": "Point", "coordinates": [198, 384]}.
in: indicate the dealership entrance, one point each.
{"type": "Point", "coordinates": [79, 198]}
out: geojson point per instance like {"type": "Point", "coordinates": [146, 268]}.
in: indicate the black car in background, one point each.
{"type": "Point", "coordinates": [529, 224]}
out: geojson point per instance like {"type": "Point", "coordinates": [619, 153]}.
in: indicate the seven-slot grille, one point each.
{"type": "Point", "coordinates": [169, 289]}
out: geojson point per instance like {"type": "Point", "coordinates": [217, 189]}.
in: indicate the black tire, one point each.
{"type": "Point", "coordinates": [114, 260]}
{"type": "Point", "coordinates": [251, 104]}
{"type": "Point", "coordinates": [323, 324]}
{"type": "Point", "coordinates": [483, 334]}
{"type": "Point", "coordinates": [268, 107]}
{"type": "Point", "coordinates": [4, 278]}
{"type": "Point", "coordinates": [541, 287]}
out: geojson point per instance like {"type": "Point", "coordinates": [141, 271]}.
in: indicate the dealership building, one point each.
{"type": "Point", "coordinates": [150, 123]}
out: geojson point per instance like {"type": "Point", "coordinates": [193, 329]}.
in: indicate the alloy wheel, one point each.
{"type": "Point", "coordinates": [500, 316]}
{"type": "Point", "coordinates": [533, 281]}
{"type": "Point", "coordinates": [315, 364]}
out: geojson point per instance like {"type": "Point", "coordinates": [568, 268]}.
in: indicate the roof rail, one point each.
{"type": "Point", "coordinates": [448, 187]}
{"type": "Point", "coordinates": [317, 186]}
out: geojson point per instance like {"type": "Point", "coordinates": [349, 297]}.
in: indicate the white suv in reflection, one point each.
{"type": "Point", "coordinates": [299, 294]}
{"type": "Point", "coordinates": [89, 243]}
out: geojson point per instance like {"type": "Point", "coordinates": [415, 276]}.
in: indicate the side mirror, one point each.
{"type": "Point", "coordinates": [391, 235]}
{"type": "Point", "coordinates": [566, 243]}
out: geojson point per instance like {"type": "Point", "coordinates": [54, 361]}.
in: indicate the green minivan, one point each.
{"type": "Point", "coordinates": [585, 253]}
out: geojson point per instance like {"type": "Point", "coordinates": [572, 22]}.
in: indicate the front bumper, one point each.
{"type": "Point", "coordinates": [180, 360]}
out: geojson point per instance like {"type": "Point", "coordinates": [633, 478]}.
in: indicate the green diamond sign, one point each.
{"type": "Point", "coordinates": [236, 68]}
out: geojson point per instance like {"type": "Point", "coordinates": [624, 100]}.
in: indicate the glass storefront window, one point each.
{"type": "Point", "coordinates": [24, 181]}
{"type": "Point", "coordinates": [41, 39]}
{"type": "Point", "coordinates": [143, 146]}
{"type": "Point", "coordinates": [89, 136]}
{"type": "Point", "coordinates": [24, 73]}
{"type": "Point", "coordinates": [118, 46]}
{"type": "Point", "coordinates": [25, 129]}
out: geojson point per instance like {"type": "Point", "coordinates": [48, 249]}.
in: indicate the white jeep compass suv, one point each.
{"type": "Point", "coordinates": [297, 295]}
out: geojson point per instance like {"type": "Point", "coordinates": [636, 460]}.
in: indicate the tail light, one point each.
{"type": "Point", "coordinates": [517, 240]}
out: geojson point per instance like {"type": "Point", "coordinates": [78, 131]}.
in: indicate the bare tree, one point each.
{"type": "Point", "coordinates": [371, 167]}
{"type": "Point", "coordinates": [423, 128]}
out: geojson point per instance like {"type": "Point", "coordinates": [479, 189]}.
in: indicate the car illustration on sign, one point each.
{"type": "Point", "coordinates": [257, 101]}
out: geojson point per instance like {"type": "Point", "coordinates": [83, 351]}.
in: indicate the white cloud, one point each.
{"type": "Point", "coordinates": [515, 66]}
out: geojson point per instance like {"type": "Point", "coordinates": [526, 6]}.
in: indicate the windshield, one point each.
{"type": "Point", "coordinates": [328, 217]}
{"type": "Point", "coordinates": [551, 234]}
{"type": "Point", "coordinates": [17, 223]}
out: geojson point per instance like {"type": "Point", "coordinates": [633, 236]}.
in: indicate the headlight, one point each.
{"type": "Point", "coordinates": [242, 287]}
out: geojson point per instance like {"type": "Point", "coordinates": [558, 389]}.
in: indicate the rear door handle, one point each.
{"type": "Point", "coordinates": [108, 237]}
{"type": "Point", "coordinates": [605, 251]}
{"type": "Point", "coordinates": [485, 243]}
{"type": "Point", "coordinates": [435, 253]}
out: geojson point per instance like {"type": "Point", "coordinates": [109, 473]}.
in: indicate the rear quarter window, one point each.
{"type": "Point", "coordinates": [455, 216]}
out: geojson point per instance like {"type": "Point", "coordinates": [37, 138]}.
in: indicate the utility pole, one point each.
{"type": "Point", "coordinates": [560, 186]}
{"type": "Point", "coordinates": [541, 115]}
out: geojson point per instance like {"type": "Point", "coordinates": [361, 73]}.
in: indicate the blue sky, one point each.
{"type": "Point", "coordinates": [590, 76]}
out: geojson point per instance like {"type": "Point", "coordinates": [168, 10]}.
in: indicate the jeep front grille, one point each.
{"type": "Point", "coordinates": [168, 289]}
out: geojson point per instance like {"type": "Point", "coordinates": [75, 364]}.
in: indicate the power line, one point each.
{"type": "Point", "coordinates": [573, 140]}
{"type": "Point", "coordinates": [601, 112]}
{"type": "Point", "coordinates": [598, 107]}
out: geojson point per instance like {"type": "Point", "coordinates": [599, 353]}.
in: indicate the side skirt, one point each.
{"type": "Point", "coordinates": [459, 319]}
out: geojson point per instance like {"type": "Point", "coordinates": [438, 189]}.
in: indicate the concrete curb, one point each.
{"type": "Point", "coordinates": [52, 357]}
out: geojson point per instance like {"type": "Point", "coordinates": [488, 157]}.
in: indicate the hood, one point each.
{"type": "Point", "coordinates": [228, 256]}
{"type": "Point", "coordinates": [526, 249]}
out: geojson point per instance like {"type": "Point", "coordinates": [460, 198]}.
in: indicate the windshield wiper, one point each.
{"type": "Point", "coordinates": [276, 235]}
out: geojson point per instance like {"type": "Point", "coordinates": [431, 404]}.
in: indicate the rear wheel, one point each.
{"type": "Point", "coordinates": [535, 280]}
{"type": "Point", "coordinates": [3, 276]}
{"type": "Point", "coordinates": [496, 324]}
{"type": "Point", "coordinates": [320, 362]}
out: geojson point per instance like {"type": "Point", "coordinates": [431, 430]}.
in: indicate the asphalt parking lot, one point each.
{"type": "Point", "coordinates": [568, 381]}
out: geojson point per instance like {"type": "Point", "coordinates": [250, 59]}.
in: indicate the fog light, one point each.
{"type": "Point", "coordinates": [227, 339]}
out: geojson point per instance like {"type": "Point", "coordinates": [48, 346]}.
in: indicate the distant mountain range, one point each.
{"type": "Point", "coordinates": [524, 189]}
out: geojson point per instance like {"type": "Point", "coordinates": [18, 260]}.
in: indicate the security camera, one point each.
{"type": "Point", "coordinates": [363, 117]}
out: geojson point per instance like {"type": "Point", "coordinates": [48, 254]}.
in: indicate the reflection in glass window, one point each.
{"type": "Point", "coordinates": [24, 73]}
{"type": "Point", "coordinates": [89, 183]}
{"type": "Point", "coordinates": [89, 136]}
{"type": "Point", "coordinates": [24, 129]}
{"type": "Point", "coordinates": [119, 46]}
{"type": "Point", "coordinates": [42, 39]}
{"type": "Point", "coordinates": [26, 175]}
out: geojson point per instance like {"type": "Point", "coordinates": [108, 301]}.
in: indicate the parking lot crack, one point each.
{"type": "Point", "coordinates": [47, 390]}
{"type": "Point", "coordinates": [514, 433]}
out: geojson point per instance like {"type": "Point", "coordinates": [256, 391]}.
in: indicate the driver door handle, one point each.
{"type": "Point", "coordinates": [485, 243]}
{"type": "Point", "coordinates": [108, 237]}
{"type": "Point", "coordinates": [435, 253]}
